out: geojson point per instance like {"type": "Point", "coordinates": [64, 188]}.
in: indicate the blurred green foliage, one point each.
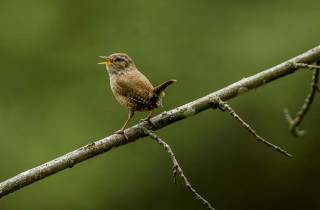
{"type": "Point", "coordinates": [54, 98]}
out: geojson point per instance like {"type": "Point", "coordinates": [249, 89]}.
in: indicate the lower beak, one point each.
{"type": "Point", "coordinates": [104, 62]}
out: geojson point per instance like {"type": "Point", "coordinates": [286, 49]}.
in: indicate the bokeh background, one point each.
{"type": "Point", "coordinates": [55, 98]}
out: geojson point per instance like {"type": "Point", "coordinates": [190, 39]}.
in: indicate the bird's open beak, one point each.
{"type": "Point", "coordinates": [107, 62]}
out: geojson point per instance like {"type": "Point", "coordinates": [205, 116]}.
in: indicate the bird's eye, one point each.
{"type": "Point", "coordinates": [118, 59]}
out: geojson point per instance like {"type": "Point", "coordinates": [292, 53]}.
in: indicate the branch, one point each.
{"type": "Point", "coordinates": [177, 170]}
{"type": "Point", "coordinates": [162, 120]}
{"type": "Point", "coordinates": [226, 107]}
{"type": "Point", "coordinates": [307, 66]}
{"type": "Point", "coordinates": [297, 120]}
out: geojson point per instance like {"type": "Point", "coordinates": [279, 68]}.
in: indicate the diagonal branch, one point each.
{"type": "Point", "coordinates": [162, 120]}
{"type": "Point", "coordinates": [226, 107]}
{"type": "Point", "coordinates": [177, 170]}
{"type": "Point", "coordinates": [297, 120]}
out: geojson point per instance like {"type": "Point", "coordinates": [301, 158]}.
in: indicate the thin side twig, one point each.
{"type": "Point", "coordinates": [176, 168]}
{"type": "Point", "coordinates": [314, 88]}
{"type": "Point", "coordinates": [218, 103]}
{"type": "Point", "coordinates": [307, 66]}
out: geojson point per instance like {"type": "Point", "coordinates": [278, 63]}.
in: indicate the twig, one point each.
{"type": "Point", "coordinates": [162, 120]}
{"type": "Point", "coordinates": [177, 170]}
{"type": "Point", "coordinates": [217, 102]}
{"type": "Point", "coordinates": [314, 88]}
{"type": "Point", "coordinates": [307, 66]}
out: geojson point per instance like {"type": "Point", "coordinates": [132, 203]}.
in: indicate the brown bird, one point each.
{"type": "Point", "coordinates": [131, 88]}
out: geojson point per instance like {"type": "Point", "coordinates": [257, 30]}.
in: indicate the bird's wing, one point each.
{"type": "Point", "coordinates": [136, 87]}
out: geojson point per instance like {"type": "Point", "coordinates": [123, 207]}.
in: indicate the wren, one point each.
{"type": "Point", "coordinates": [131, 88]}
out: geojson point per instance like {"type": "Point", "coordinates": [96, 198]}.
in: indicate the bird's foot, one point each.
{"type": "Point", "coordinates": [148, 120]}
{"type": "Point", "coordinates": [121, 132]}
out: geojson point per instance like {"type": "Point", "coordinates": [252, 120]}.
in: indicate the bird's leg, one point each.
{"type": "Point", "coordinates": [121, 131]}
{"type": "Point", "coordinates": [147, 119]}
{"type": "Point", "coordinates": [149, 115]}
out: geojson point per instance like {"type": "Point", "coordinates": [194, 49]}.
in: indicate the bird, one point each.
{"type": "Point", "coordinates": [131, 88]}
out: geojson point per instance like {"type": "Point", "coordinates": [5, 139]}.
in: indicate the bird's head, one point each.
{"type": "Point", "coordinates": [117, 62]}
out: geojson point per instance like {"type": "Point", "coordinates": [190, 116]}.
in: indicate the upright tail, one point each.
{"type": "Point", "coordinates": [159, 92]}
{"type": "Point", "coordinates": [160, 88]}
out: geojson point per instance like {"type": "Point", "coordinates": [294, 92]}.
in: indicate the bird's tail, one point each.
{"type": "Point", "coordinates": [159, 92]}
{"type": "Point", "coordinates": [160, 88]}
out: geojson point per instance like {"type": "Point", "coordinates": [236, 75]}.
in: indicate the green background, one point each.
{"type": "Point", "coordinates": [55, 98]}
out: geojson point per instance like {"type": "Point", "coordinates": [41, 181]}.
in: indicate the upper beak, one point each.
{"type": "Point", "coordinates": [108, 61]}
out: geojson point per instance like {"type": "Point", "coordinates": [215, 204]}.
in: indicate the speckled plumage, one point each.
{"type": "Point", "coordinates": [132, 90]}
{"type": "Point", "coordinates": [130, 87]}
